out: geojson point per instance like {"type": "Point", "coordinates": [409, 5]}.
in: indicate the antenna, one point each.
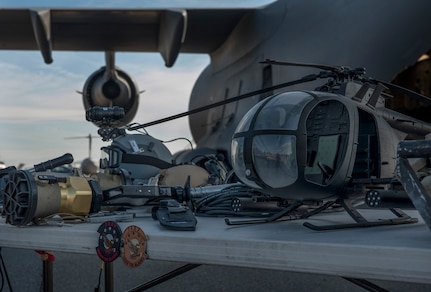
{"type": "Point", "coordinates": [90, 141]}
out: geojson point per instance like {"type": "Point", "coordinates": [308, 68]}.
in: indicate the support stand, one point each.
{"type": "Point", "coordinates": [48, 283]}
{"type": "Point", "coordinates": [419, 196]}
{"type": "Point", "coordinates": [47, 269]}
{"type": "Point", "coordinates": [164, 278]}
{"type": "Point", "coordinates": [109, 276]}
{"type": "Point", "coordinates": [367, 285]}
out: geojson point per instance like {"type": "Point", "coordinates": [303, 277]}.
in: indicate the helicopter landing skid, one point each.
{"type": "Point", "coordinates": [402, 218]}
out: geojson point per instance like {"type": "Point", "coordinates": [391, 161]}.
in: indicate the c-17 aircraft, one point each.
{"type": "Point", "coordinates": [317, 129]}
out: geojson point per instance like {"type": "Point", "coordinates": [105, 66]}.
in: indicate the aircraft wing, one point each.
{"type": "Point", "coordinates": [168, 31]}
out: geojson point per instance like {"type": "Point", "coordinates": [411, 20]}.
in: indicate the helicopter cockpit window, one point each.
{"type": "Point", "coordinates": [274, 158]}
{"type": "Point", "coordinates": [282, 113]}
{"type": "Point", "coordinates": [264, 143]}
{"type": "Point", "coordinates": [327, 131]}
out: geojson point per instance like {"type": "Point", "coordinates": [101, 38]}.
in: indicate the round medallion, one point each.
{"type": "Point", "coordinates": [109, 245]}
{"type": "Point", "coordinates": [134, 248]}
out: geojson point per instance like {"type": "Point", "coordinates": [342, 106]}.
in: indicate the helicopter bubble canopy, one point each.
{"type": "Point", "coordinates": [271, 153]}
{"type": "Point", "coordinates": [295, 140]}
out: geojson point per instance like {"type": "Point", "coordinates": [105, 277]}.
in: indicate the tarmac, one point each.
{"type": "Point", "coordinates": [76, 272]}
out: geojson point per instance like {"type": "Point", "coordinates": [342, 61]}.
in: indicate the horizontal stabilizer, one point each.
{"type": "Point", "coordinates": [168, 31]}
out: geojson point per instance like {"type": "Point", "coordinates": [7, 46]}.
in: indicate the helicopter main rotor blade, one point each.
{"type": "Point", "coordinates": [318, 66]}
{"type": "Point", "coordinates": [403, 90]}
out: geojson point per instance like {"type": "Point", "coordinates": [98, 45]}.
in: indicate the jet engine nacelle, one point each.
{"type": "Point", "coordinates": [109, 87]}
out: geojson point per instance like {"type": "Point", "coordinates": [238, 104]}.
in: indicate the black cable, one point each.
{"type": "Point", "coordinates": [176, 139]}
{"type": "Point", "coordinates": [229, 192]}
{"type": "Point", "coordinates": [220, 204]}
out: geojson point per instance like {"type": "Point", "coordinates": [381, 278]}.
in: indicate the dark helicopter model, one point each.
{"type": "Point", "coordinates": [336, 143]}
